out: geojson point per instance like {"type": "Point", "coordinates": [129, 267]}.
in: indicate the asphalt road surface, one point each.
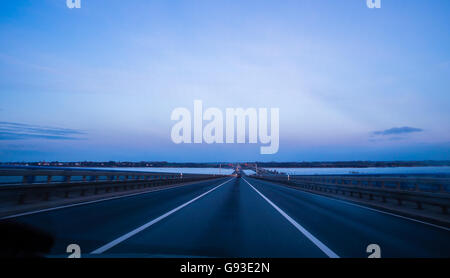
{"type": "Point", "coordinates": [235, 217]}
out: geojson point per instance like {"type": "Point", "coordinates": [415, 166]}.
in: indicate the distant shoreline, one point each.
{"type": "Point", "coordinates": [163, 164]}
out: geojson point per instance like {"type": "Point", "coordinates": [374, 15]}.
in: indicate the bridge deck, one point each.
{"type": "Point", "coordinates": [236, 217]}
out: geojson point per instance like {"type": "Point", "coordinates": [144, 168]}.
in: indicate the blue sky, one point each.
{"type": "Point", "coordinates": [100, 82]}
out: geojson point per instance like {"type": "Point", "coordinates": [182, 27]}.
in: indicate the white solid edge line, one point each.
{"type": "Point", "coordinates": [299, 227]}
{"type": "Point", "coordinates": [85, 203]}
{"type": "Point", "coordinates": [373, 209]}
{"type": "Point", "coordinates": [148, 224]}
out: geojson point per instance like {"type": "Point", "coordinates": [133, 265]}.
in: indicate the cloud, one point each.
{"type": "Point", "coordinates": [397, 131]}
{"type": "Point", "coordinates": [19, 131]}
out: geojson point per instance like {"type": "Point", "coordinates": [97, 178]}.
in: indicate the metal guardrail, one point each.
{"type": "Point", "coordinates": [44, 185]}
{"type": "Point", "coordinates": [32, 176]}
{"type": "Point", "coordinates": [400, 189]}
{"type": "Point", "coordinates": [418, 184]}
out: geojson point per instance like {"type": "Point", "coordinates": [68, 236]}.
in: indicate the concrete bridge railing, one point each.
{"type": "Point", "coordinates": [420, 191]}
{"type": "Point", "coordinates": [42, 176]}
{"type": "Point", "coordinates": [417, 184]}
{"type": "Point", "coordinates": [37, 185]}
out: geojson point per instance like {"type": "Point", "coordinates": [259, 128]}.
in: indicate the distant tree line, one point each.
{"type": "Point", "coordinates": [350, 164]}
{"type": "Point", "coordinates": [325, 164]}
{"type": "Point", "coordinates": [117, 164]}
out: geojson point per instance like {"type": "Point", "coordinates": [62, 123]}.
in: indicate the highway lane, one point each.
{"type": "Point", "coordinates": [95, 224]}
{"type": "Point", "coordinates": [348, 229]}
{"type": "Point", "coordinates": [230, 222]}
{"type": "Point", "coordinates": [239, 218]}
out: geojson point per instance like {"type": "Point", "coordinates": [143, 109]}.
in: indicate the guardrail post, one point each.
{"type": "Point", "coordinates": [67, 178]}
{"type": "Point", "coordinates": [22, 198]}
{"type": "Point", "coordinates": [419, 205]}
{"type": "Point", "coordinates": [28, 179]}
{"type": "Point", "coordinates": [49, 179]}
